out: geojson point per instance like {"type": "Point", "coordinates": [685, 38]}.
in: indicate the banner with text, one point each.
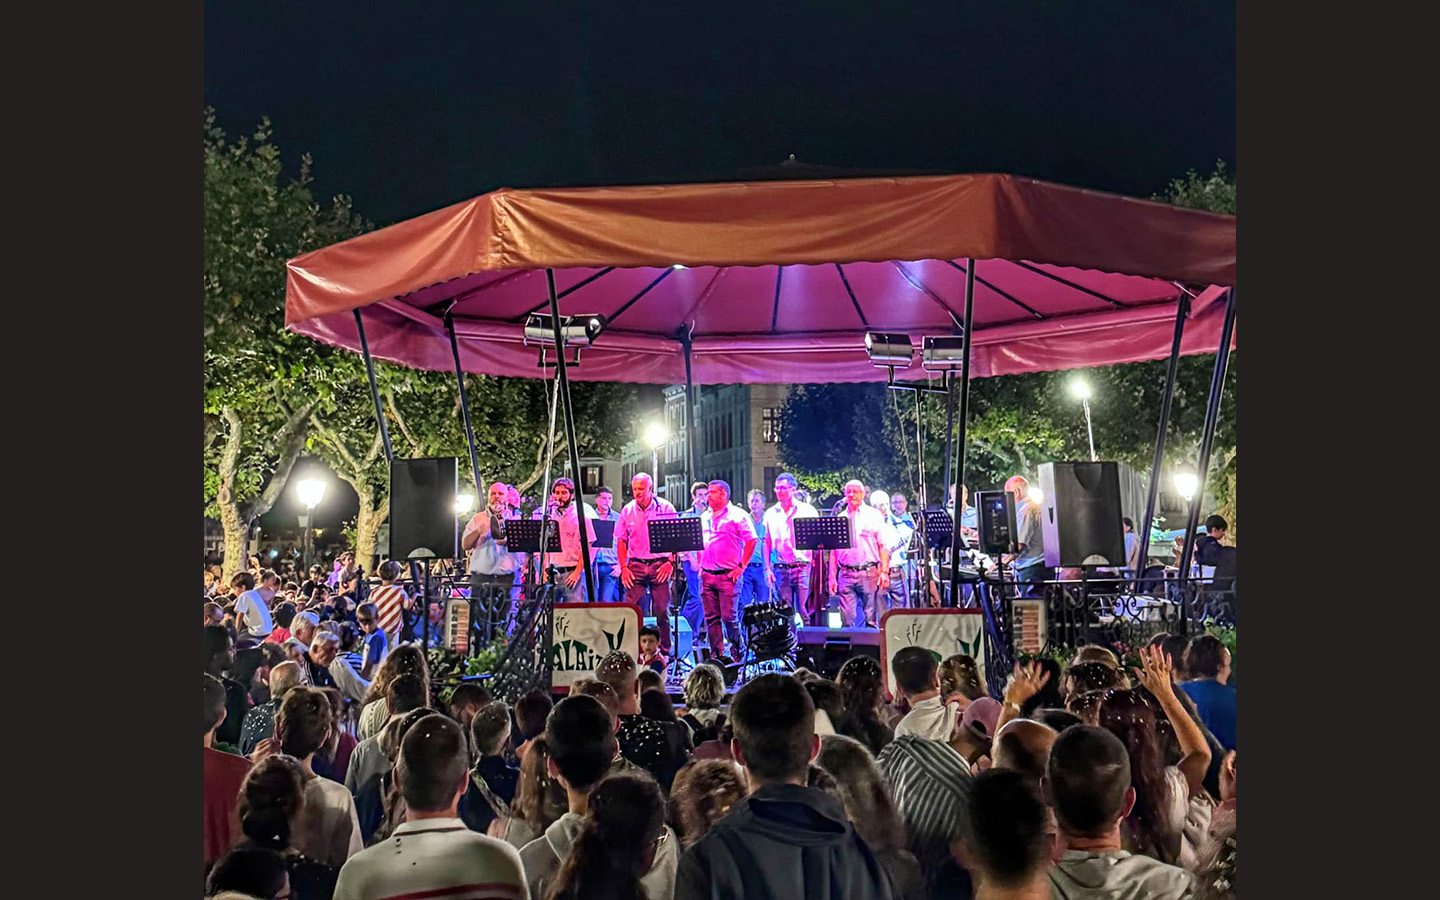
{"type": "Point", "coordinates": [585, 632]}
{"type": "Point", "coordinates": [945, 631]}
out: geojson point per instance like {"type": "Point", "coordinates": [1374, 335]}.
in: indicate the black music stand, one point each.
{"type": "Point", "coordinates": [604, 533]}
{"type": "Point", "coordinates": [678, 535]}
{"type": "Point", "coordinates": [523, 536]}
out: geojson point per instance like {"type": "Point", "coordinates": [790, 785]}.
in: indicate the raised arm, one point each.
{"type": "Point", "coordinates": [1194, 752]}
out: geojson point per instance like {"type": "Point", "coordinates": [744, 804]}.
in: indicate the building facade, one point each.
{"type": "Point", "coordinates": [737, 441]}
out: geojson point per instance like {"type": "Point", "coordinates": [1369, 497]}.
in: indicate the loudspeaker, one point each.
{"type": "Point", "coordinates": [422, 508]}
{"type": "Point", "coordinates": [996, 514]}
{"type": "Point", "coordinates": [825, 659]}
{"type": "Point", "coordinates": [1080, 516]}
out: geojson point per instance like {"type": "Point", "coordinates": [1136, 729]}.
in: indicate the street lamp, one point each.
{"type": "Point", "coordinates": [655, 436]}
{"type": "Point", "coordinates": [309, 491]}
{"type": "Point", "coordinates": [1080, 389]}
{"type": "Point", "coordinates": [464, 503]}
{"type": "Point", "coordinates": [1187, 483]}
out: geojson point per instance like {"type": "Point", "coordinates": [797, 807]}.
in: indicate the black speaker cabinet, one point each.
{"type": "Point", "coordinates": [996, 513]}
{"type": "Point", "coordinates": [422, 508]}
{"type": "Point", "coordinates": [1080, 516]}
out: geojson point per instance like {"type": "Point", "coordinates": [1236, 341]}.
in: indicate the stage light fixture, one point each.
{"type": "Point", "coordinates": [889, 350]}
{"type": "Point", "coordinates": [833, 619]}
{"type": "Point", "coordinates": [577, 331]}
{"type": "Point", "coordinates": [945, 353]}
{"type": "Point", "coordinates": [1036, 496]}
{"type": "Point", "coordinates": [1187, 483]}
{"type": "Point", "coordinates": [463, 503]}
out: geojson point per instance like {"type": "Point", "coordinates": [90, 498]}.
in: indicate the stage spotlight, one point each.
{"type": "Point", "coordinates": [889, 350]}
{"type": "Point", "coordinates": [677, 266]}
{"type": "Point", "coordinates": [943, 354]}
{"type": "Point", "coordinates": [577, 331]}
{"type": "Point", "coordinates": [463, 503]}
{"type": "Point", "coordinates": [1080, 389]}
{"type": "Point", "coordinates": [1036, 495]}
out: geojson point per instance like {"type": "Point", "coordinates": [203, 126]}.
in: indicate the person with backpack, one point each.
{"type": "Point", "coordinates": [704, 691]}
{"type": "Point", "coordinates": [493, 781]}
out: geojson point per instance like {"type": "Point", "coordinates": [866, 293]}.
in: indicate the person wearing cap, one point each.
{"type": "Point", "coordinates": [977, 726]}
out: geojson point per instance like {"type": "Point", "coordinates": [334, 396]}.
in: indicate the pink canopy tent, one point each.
{"type": "Point", "coordinates": [777, 281]}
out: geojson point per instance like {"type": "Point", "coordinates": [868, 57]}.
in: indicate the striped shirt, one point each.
{"type": "Point", "coordinates": [435, 859]}
{"type": "Point", "coordinates": [389, 599]}
{"type": "Point", "coordinates": [930, 782]}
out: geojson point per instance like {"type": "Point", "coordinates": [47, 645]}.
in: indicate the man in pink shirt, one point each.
{"type": "Point", "coordinates": [729, 543]}
{"type": "Point", "coordinates": [864, 569]}
{"type": "Point", "coordinates": [567, 561]}
{"type": "Point", "coordinates": [640, 568]}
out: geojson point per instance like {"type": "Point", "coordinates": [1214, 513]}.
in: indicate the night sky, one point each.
{"type": "Point", "coordinates": [409, 107]}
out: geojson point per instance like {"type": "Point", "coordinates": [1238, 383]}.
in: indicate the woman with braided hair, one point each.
{"type": "Point", "coordinates": [271, 802]}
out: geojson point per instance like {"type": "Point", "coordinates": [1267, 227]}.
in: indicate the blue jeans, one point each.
{"type": "Point", "coordinates": [607, 586]}
{"type": "Point", "coordinates": [792, 587]}
{"type": "Point", "coordinates": [1029, 576]}
{"type": "Point", "coordinates": [859, 593]}
{"type": "Point", "coordinates": [753, 588]}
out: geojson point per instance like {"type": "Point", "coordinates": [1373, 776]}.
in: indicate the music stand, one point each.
{"type": "Point", "coordinates": [523, 536]}
{"type": "Point", "coordinates": [939, 527]}
{"type": "Point", "coordinates": [677, 535]}
{"type": "Point", "coordinates": [824, 533]}
{"type": "Point", "coordinates": [604, 533]}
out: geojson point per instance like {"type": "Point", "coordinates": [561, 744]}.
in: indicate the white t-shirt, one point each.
{"type": "Point", "coordinates": [329, 828]}
{"type": "Point", "coordinates": [257, 614]}
{"type": "Point", "coordinates": [438, 858]}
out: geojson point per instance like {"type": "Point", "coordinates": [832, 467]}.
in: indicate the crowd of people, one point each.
{"type": "Point", "coordinates": [1089, 780]}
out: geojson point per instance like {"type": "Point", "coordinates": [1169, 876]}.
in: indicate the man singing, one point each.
{"type": "Point", "coordinates": [787, 569]}
{"type": "Point", "coordinates": [492, 567]}
{"type": "Point", "coordinates": [693, 610]}
{"type": "Point", "coordinates": [607, 586]}
{"type": "Point", "coordinates": [754, 588]}
{"type": "Point", "coordinates": [864, 569]}
{"type": "Point", "coordinates": [729, 544]}
{"type": "Point", "coordinates": [897, 596]}
{"type": "Point", "coordinates": [567, 561]}
{"type": "Point", "coordinates": [641, 569]}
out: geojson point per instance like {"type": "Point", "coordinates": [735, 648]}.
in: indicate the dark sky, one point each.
{"type": "Point", "coordinates": [412, 106]}
{"type": "Point", "coordinates": [409, 107]}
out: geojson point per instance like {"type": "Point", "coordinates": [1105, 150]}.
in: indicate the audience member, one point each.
{"type": "Point", "coordinates": [283, 617]}
{"type": "Point", "coordinates": [1207, 661]}
{"type": "Point", "coordinates": [260, 720]}
{"type": "Point", "coordinates": [645, 742]}
{"type": "Point", "coordinates": [1007, 844]}
{"type": "Point", "coordinates": [1023, 746]}
{"type": "Point", "coordinates": [539, 798]}
{"type": "Point", "coordinates": [866, 798]}
{"type": "Point", "coordinates": [603, 693]}
{"type": "Point", "coordinates": [580, 738]}
{"type": "Point", "coordinates": [1088, 784]}
{"type": "Point", "coordinates": [703, 793]}
{"type": "Point", "coordinates": [376, 647]}
{"type": "Point", "coordinates": [917, 675]}
{"type": "Point", "coordinates": [1050, 694]}
{"type": "Point", "coordinates": [531, 711]}
{"type": "Point", "coordinates": [623, 847]}
{"type": "Point", "coordinates": [432, 853]}
{"type": "Point", "coordinates": [254, 873]}
{"type": "Point", "coordinates": [784, 840]}
{"type": "Point", "coordinates": [219, 660]}
{"type": "Point", "coordinates": [492, 780]}
{"type": "Point", "coordinates": [407, 659]}
{"type": "Point", "coordinates": [651, 656]}
{"type": "Point", "coordinates": [930, 782]}
{"type": "Point", "coordinates": [1086, 707]}
{"type": "Point", "coordinates": [862, 689]}
{"type": "Point", "coordinates": [333, 760]}
{"type": "Point", "coordinates": [829, 703]}
{"type": "Point", "coordinates": [466, 699]}
{"type": "Point", "coordinates": [1086, 677]}
{"type": "Point", "coordinates": [704, 692]}
{"type": "Point", "coordinates": [252, 606]}
{"type": "Point", "coordinates": [650, 680]}
{"type": "Point", "coordinates": [270, 806]}
{"type": "Point", "coordinates": [374, 757]}
{"type": "Point", "coordinates": [976, 729]}
{"type": "Point", "coordinates": [1094, 653]}
{"type": "Point", "coordinates": [328, 831]}
{"type": "Point", "coordinates": [960, 679]}
{"type": "Point", "coordinates": [224, 773]}
{"type": "Point", "coordinates": [1057, 719]}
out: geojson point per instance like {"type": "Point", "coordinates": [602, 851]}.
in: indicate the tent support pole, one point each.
{"type": "Point", "coordinates": [689, 420]}
{"type": "Point", "coordinates": [949, 427]}
{"type": "Point", "coordinates": [1182, 311]}
{"type": "Point", "coordinates": [465, 411]}
{"type": "Point", "coordinates": [1207, 440]}
{"type": "Point", "coordinates": [575, 472]}
{"type": "Point", "coordinates": [374, 388]}
{"type": "Point", "coordinates": [960, 443]}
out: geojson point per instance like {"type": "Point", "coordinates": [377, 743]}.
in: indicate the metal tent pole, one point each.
{"type": "Point", "coordinates": [570, 436]}
{"type": "Point", "coordinates": [949, 431]}
{"type": "Point", "coordinates": [465, 411]}
{"type": "Point", "coordinates": [1207, 439]}
{"type": "Point", "coordinates": [1182, 311]}
{"type": "Point", "coordinates": [960, 442]}
{"type": "Point", "coordinates": [689, 418]}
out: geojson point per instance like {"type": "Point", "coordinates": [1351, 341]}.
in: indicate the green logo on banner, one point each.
{"type": "Point", "coordinates": [616, 639]}
{"type": "Point", "coordinates": [573, 656]}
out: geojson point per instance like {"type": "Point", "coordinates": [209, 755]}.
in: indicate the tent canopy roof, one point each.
{"type": "Point", "coordinates": [777, 281]}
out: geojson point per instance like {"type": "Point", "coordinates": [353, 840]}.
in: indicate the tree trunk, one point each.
{"type": "Point", "coordinates": [367, 527]}
{"type": "Point", "coordinates": [235, 518]}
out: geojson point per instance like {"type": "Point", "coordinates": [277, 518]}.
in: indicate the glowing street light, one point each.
{"type": "Point", "coordinates": [1187, 483]}
{"type": "Point", "coordinates": [309, 491]}
{"type": "Point", "coordinates": [464, 503]}
{"type": "Point", "coordinates": [1080, 390]}
{"type": "Point", "coordinates": [655, 436]}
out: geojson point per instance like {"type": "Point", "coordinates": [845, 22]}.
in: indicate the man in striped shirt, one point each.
{"type": "Point", "coordinates": [930, 781]}
{"type": "Point", "coordinates": [433, 853]}
{"type": "Point", "coordinates": [390, 599]}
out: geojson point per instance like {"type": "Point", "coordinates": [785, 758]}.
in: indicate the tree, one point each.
{"type": "Point", "coordinates": [257, 408]}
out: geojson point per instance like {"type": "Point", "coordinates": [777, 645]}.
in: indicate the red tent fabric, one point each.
{"type": "Point", "coordinates": [779, 281]}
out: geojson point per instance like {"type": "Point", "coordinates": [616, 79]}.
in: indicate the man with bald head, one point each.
{"type": "Point", "coordinates": [860, 574]}
{"type": "Point", "coordinates": [260, 720]}
{"type": "Point", "coordinates": [1029, 562]}
{"type": "Point", "coordinates": [641, 569]}
{"type": "Point", "coordinates": [1023, 746]}
{"type": "Point", "coordinates": [492, 567]}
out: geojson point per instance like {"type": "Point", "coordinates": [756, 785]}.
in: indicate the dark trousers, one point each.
{"type": "Point", "coordinates": [717, 595]}
{"type": "Point", "coordinates": [647, 577]}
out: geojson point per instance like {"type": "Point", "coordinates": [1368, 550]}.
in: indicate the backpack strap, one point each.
{"type": "Point", "coordinates": [498, 806]}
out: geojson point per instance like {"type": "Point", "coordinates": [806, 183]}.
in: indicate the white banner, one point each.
{"type": "Point", "coordinates": [945, 631]}
{"type": "Point", "coordinates": [585, 632]}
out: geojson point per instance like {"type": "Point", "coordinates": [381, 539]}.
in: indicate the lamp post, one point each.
{"type": "Point", "coordinates": [655, 436]}
{"type": "Point", "coordinates": [1080, 389]}
{"type": "Point", "coordinates": [1186, 483]}
{"type": "Point", "coordinates": [310, 492]}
